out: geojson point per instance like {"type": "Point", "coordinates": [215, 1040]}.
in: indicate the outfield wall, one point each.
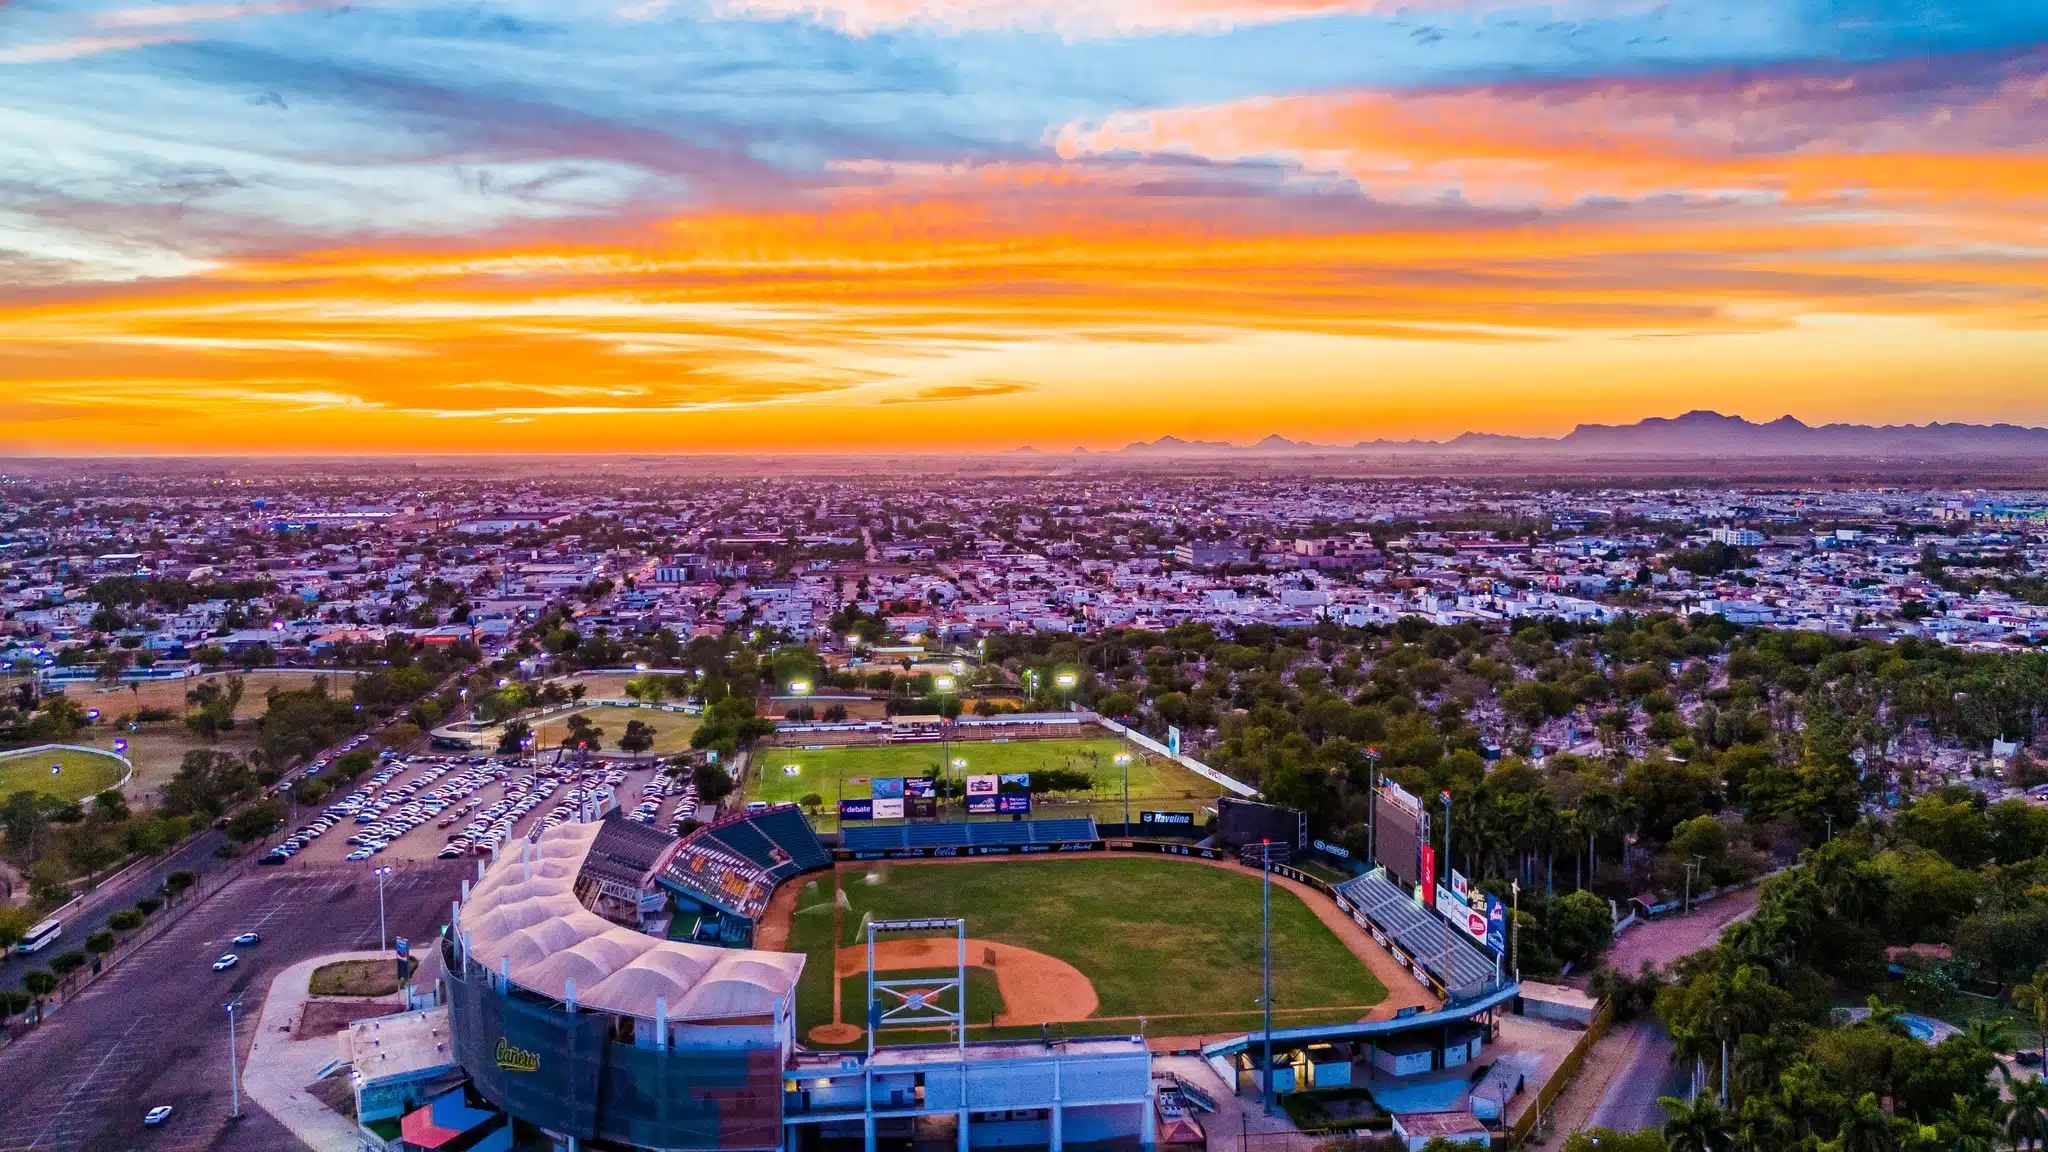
{"type": "Point", "coordinates": [126, 763]}
{"type": "Point", "coordinates": [1187, 762]}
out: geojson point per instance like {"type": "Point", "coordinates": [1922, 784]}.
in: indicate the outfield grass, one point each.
{"type": "Point", "coordinates": [1155, 781]}
{"type": "Point", "coordinates": [85, 773]}
{"type": "Point", "coordinates": [1155, 937]}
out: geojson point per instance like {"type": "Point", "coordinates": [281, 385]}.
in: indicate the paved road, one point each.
{"type": "Point", "coordinates": [1630, 1104]}
{"type": "Point", "coordinates": [153, 1031]}
{"type": "Point", "coordinates": [195, 856]}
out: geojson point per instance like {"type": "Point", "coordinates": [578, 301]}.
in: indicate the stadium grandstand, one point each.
{"type": "Point", "coordinates": [725, 872]}
{"type": "Point", "coordinates": [985, 838]}
{"type": "Point", "coordinates": [1459, 967]}
{"type": "Point", "coordinates": [601, 1036]}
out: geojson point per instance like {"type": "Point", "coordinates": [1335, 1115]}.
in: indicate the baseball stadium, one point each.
{"type": "Point", "coordinates": [955, 966]}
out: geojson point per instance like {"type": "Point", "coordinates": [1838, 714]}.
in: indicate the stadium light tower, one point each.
{"type": "Point", "coordinates": [1123, 760]}
{"type": "Point", "coordinates": [942, 687]}
{"type": "Point", "coordinates": [1266, 965]}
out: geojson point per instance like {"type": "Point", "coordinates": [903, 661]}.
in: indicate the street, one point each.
{"type": "Point", "coordinates": [194, 856]}
{"type": "Point", "coordinates": [154, 1030]}
{"type": "Point", "coordinates": [1630, 1103]}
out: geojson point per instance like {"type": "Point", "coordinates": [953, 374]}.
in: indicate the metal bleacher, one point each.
{"type": "Point", "coordinates": [1445, 952]}
{"type": "Point", "coordinates": [884, 838]}
{"type": "Point", "coordinates": [779, 840]}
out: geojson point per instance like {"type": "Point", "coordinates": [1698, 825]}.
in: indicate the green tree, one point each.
{"type": "Point", "coordinates": [638, 737]}
{"type": "Point", "coordinates": [2024, 1114]}
{"type": "Point", "coordinates": [1579, 926]}
{"type": "Point", "coordinates": [2032, 998]}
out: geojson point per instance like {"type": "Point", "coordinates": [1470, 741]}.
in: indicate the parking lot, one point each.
{"type": "Point", "coordinates": [448, 807]}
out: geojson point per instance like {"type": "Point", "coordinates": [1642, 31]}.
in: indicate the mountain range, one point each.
{"type": "Point", "coordinates": [1698, 433]}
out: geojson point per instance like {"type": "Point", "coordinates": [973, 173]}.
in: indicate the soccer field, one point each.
{"type": "Point", "coordinates": [85, 773]}
{"type": "Point", "coordinates": [1170, 940]}
{"type": "Point", "coordinates": [844, 772]}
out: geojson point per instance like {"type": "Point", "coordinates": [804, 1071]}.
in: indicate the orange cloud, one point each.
{"type": "Point", "coordinates": [1154, 276]}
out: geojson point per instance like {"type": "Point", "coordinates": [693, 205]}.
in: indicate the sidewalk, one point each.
{"type": "Point", "coordinates": [280, 1067]}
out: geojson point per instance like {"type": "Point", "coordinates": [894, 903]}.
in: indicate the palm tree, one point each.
{"type": "Point", "coordinates": [1701, 1126]}
{"type": "Point", "coordinates": [2033, 996]}
{"type": "Point", "coordinates": [2025, 1114]}
{"type": "Point", "coordinates": [1991, 1034]}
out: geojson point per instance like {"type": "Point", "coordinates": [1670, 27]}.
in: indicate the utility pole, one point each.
{"type": "Point", "coordinates": [1515, 930]}
{"type": "Point", "coordinates": [1266, 899]}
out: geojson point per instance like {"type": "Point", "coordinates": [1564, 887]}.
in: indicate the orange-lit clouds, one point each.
{"type": "Point", "coordinates": [1863, 244]}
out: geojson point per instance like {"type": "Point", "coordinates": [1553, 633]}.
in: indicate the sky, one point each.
{"type": "Point", "coordinates": [802, 226]}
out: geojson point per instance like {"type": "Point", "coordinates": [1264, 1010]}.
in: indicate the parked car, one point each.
{"type": "Point", "coordinates": [248, 938]}
{"type": "Point", "coordinates": [227, 960]}
{"type": "Point", "coordinates": [156, 1116]}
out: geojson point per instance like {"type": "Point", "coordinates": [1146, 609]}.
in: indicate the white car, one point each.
{"type": "Point", "coordinates": [156, 1116]}
{"type": "Point", "coordinates": [227, 960]}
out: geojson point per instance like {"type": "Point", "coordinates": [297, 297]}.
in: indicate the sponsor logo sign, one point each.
{"type": "Point", "coordinates": [888, 788]}
{"type": "Point", "coordinates": [856, 809]}
{"type": "Point", "coordinates": [513, 1059]}
{"type": "Point", "coordinates": [889, 809]}
{"type": "Point", "coordinates": [1168, 819]}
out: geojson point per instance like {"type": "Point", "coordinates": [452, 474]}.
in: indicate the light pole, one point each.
{"type": "Point", "coordinates": [1372, 803]}
{"type": "Point", "coordinates": [1066, 682]}
{"type": "Point", "coordinates": [381, 873]}
{"type": "Point", "coordinates": [234, 1070]}
{"type": "Point", "coordinates": [801, 689]}
{"type": "Point", "coordinates": [1266, 963]}
{"type": "Point", "coordinates": [942, 686]}
{"type": "Point", "coordinates": [1123, 760]}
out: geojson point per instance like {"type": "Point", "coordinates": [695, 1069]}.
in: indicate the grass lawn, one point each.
{"type": "Point", "coordinates": [356, 978]}
{"type": "Point", "coordinates": [85, 774]}
{"type": "Point", "coordinates": [1155, 782]}
{"type": "Point", "coordinates": [671, 729]}
{"type": "Point", "coordinates": [158, 749]}
{"type": "Point", "coordinates": [1155, 937]}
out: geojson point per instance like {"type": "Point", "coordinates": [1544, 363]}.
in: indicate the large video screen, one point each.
{"type": "Point", "coordinates": [1397, 838]}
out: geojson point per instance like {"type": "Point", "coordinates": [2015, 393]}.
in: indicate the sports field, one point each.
{"type": "Point", "coordinates": [671, 729]}
{"type": "Point", "coordinates": [1155, 782]}
{"type": "Point", "coordinates": [1171, 941]}
{"type": "Point", "coordinates": [84, 773]}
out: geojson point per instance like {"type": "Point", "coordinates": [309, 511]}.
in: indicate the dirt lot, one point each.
{"type": "Point", "coordinates": [133, 697]}
{"type": "Point", "coordinates": [158, 749]}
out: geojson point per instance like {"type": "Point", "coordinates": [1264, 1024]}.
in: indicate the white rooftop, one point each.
{"type": "Point", "coordinates": [525, 911]}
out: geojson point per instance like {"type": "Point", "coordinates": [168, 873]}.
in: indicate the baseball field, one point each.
{"type": "Point", "coordinates": [82, 774]}
{"type": "Point", "coordinates": [790, 774]}
{"type": "Point", "coordinates": [1083, 946]}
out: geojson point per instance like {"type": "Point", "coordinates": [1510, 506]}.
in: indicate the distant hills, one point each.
{"type": "Point", "coordinates": [1698, 433]}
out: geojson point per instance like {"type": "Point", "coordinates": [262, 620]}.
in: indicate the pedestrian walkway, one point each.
{"type": "Point", "coordinates": [280, 1067]}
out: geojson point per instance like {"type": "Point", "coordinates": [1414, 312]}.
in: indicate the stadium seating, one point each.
{"type": "Point", "coordinates": [779, 840]}
{"type": "Point", "coordinates": [891, 837]}
{"type": "Point", "coordinates": [1444, 951]}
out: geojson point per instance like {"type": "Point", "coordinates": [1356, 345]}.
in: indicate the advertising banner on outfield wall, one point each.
{"type": "Point", "coordinates": [921, 796]}
{"type": "Point", "coordinates": [981, 795]}
{"type": "Point", "coordinates": [1168, 819]}
{"type": "Point", "coordinates": [889, 809]}
{"type": "Point", "coordinates": [887, 788]}
{"type": "Point", "coordinates": [856, 809]}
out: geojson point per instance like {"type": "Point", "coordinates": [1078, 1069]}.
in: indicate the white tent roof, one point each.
{"type": "Point", "coordinates": [525, 911]}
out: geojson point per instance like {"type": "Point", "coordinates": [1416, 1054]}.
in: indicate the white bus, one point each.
{"type": "Point", "coordinates": [39, 937]}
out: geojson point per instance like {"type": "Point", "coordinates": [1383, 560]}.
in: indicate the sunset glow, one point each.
{"type": "Point", "coordinates": [868, 225]}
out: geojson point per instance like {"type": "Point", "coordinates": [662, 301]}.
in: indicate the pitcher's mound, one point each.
{"type": "Point", "coordinates": [835, 1033]}
{"type": "Point", "coordinates": [1036, 988]}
